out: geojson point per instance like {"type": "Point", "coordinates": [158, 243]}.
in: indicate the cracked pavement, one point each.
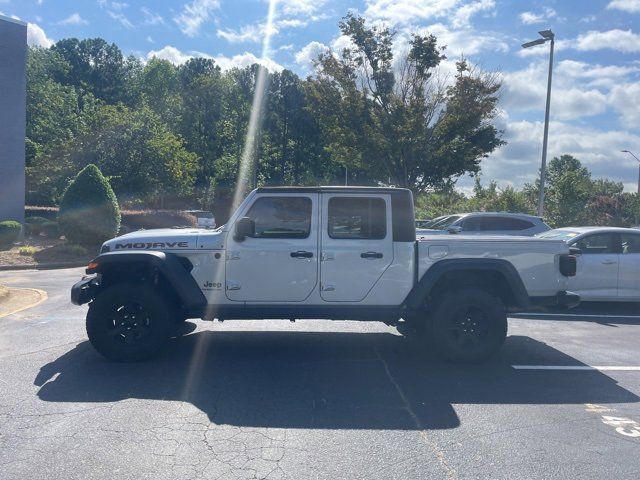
{"type": "Point", "coordinates": [312, 400]}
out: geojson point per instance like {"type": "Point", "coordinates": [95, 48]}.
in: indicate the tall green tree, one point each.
{"type": "Point", "coordinates": [95, 66]}
{"type": "Point", "coordinates": [392, 119]}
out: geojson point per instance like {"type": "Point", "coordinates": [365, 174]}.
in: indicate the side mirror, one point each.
{"type": "Point", "coordinates": [454, 229]}
{"type": "Point", "coordinates": [245, 227]}
{"type": "Point", "coordinates": [575, 251]}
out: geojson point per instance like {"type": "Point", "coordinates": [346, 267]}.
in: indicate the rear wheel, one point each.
{"type": "Point", "coordinates": [468, 325]}
{"type": "Point", "coordinates": [128, 322]}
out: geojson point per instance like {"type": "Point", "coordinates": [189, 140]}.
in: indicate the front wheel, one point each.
{"type": "Point", "coordinates": [468, 325]}
{"type": "Point", "coordinates": [129, 322]}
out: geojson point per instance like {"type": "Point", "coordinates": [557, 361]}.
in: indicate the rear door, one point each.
{"type": "Point", "coordinates": [629, 269]}
{"type": "Point", "coordinates": [597, 273]}
{"type": "Point", "coordinates": [356, 244]}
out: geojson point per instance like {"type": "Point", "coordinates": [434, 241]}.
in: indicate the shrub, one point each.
{"type": "Point", "coordinates": [89, 212]}
{"type": "Point", "coordinates": [27, 250]}
{"type": "Point", "coordinates": [34, 225]}
{"type": "Point", "coordinates": [71, 249]}
{"type": "Point", "coordinates": [147, 219]}
{"type": "Point", "coordinates": [50, 229]}
{"type": "Point", "coordinates": [9, 232]}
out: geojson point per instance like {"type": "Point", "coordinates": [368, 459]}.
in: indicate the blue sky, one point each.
{"type": "Point", "coordinates": [597, 66]}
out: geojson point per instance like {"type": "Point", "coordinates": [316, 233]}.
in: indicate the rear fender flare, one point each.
{"type": "Point", "coordinates": [416, 297]}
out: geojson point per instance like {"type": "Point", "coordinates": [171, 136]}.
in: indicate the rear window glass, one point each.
{"type": "Point", "coordinates": [357, 218]}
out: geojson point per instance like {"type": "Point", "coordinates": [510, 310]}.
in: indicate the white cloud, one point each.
{"type": "Point", "coordinates": [631, 6]}
{"type": "Point", "coordinates": [73, 19]}
{"type": "Point", "coordinates": [574, 94]}
{"type": "Point", "coordinates": [307, 54]}
{"type": "Point", "coordinates": [120, 18]}
{"type": "Point", "coordinates": [625, 99]}
{"type": "Point", "coordinates": [530, 18]}
{"type": "Point", "coordinates": [36, 36]}
{"type": "Point", "coordinates": [620, 40]}
{"type": "Point", "coordinates": [151, 18]}
{"type": "Point", "coordinates": [194, 14]}
{"type": "Point", "coordinates": [462, 17]}
{"type": "Point", "coordinates": [249, 33]}
{"type": "Point", "coordinates": [405, 11]}
{"type": "Point", "coordinates": [464, 41]}
{"type": "Point", "coordinates": [594, 74]}
{"type": "Point", "coordinates": [300, 7]}
{"type": "Point", "coordinates": [177, 57]}
{"type": "Point", "coordinates": [244, 60]}
{"type": "Point", "coordinates": [170, 53]}
{"type": "Point", "coordinates": [518, 162]}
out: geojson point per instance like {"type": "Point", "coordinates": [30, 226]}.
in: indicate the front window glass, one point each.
{"type": "Point", "coordinates": [281, 217]}
{"type": "Point", "coordinates": [597, 243]}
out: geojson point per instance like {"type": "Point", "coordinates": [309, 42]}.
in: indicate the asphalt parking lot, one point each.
{"type": "Point", "coordinates": [317, 400]}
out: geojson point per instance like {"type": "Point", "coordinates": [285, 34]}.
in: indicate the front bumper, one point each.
{"type": "Point", "coordinates": [84, 291]}
{"type": "Point", "coordinates": [561, 299]}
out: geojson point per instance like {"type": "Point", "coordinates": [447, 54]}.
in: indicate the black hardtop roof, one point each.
{"type": "Point", "coordinates": [333, 189]}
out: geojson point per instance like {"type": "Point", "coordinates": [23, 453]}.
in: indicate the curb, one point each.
{"type": "Point", "coordinates": [43, 266]}
{"type": "Point", "coordinates": [42, 297]}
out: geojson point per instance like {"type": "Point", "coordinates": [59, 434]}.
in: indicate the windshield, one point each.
{"type": "Point", "coordinates": [559, 234]}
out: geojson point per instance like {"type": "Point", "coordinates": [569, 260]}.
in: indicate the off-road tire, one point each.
{"type": "Point", "coordinates": [129, 322]}
{"type": "Point", "coordinates": [467, 325]}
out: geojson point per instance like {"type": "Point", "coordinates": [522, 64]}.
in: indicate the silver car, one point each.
{"type": "Point", "coordinates": [608, 266]}
{"type": "Point", "coordinates": [486, 223]}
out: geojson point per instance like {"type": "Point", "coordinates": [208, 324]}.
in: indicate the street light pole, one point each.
{"type": "Point", "coordinates": [546, 35]}
{"type": "Point", "coordinates": [638, 159]}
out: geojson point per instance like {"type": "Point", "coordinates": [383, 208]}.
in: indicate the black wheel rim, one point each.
{"type": "Point", "coordinates": [129, 323]}
{"type": "Point", "coordinates": [469, 328]}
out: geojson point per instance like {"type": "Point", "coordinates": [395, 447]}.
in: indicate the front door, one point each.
{"type": "Point", "coordinates": [356, 244]}
{"type": "Point", "coordinates": [597, 270]}
{"type": "Point", "coordinates": [279, 263]}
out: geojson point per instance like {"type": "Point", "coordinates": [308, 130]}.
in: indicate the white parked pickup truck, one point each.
{"type": "Point", "coordinates": [320, 252]}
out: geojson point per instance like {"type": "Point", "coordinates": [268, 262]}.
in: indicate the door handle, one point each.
{"type": "Point", "coordinates": [609, 262]}
{"type": "Point", "coordinates": [371, 255]}
{"type": "Point", "coordinates": [301, 254]}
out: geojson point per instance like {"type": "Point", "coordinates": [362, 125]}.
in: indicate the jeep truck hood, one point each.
{"type": "Point", "coordinates": [166, 239]}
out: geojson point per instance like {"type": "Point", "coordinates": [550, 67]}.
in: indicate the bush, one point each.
{"type": "Point", "coordinates": [27, 250]}
{"type": "Point", "coordinates": [89, 212]}
{"type": "Point", "coordinates": [50, 229]}
{"type": "Point", "coordinates": [9, 232]}
{"type": "Point", "coordinates": [148, 219]}
{"type": "Point", "coordinates": [34, 225]}
{"type": "Point", "coordinates": [70, 249]}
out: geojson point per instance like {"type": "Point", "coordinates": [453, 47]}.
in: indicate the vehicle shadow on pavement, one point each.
{"type": "Point", "coordinates": [603, 313]}
{"type": "Point", "coordinates": [324, 380]}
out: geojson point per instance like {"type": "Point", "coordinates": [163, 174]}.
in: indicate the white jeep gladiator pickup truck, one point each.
{"type": "Point", "coordinates": [320, 252]}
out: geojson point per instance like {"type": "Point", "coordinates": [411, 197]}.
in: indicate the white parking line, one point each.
{"type": "Point", "coordinates": [602, 368]}
{"type": "Point", "coordinates": [571, 315]}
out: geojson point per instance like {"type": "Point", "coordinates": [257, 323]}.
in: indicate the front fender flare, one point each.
{"type": "Point", "coordinates": [180, 280]}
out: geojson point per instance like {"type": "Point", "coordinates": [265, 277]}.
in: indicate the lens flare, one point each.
{"type": "Point", "coordinates": [249, 161]}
